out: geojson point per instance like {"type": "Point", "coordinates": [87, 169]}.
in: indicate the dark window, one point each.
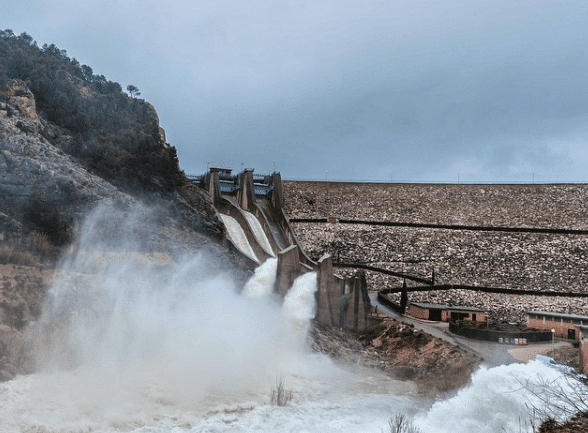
{"type": "Point", "coordinates": [459, 316]}
{"type": "Point", "coordinates": [435, 315]}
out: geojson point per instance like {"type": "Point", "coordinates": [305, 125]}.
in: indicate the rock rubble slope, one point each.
{"type": "Point", "coordinates": [531, 261]}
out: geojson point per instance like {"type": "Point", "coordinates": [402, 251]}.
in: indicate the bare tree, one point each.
{"type": "Point", "coordinates": [399, 424]}
{"type": "Point", "coordinates": [558, 398]}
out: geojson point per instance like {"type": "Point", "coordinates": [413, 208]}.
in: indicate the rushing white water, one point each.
{"type": "Point", "coordinates": [237, 235]}
{"type": "Point", "coordinates": [504, 398]}
{"type": "Point", "coordinates": [135, 342]}
{"type": "Point", "coordinates": [299, 307]}
{"type": "Point", "coordinates": [131, 342]}
{"type": "Point", "coordinates": [261, 285]}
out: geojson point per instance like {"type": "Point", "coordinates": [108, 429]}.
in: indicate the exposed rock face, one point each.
{"type": "Point", "coordinates": [46, 192]}
{"type": "Point", "coordinates": [44, 188]}
{"type": "Point", "coordinates": [36, 173]}
{"type": "Point", "coordinates": [21, 98]}
{"type": "Point", "coordinates": [401, 351]}
{"type": "Point", "coordinates": [9, 226]}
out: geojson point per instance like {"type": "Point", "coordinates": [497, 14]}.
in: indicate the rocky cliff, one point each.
{"type": "Point", "coordinates": [54, 172]}
{"type": "Point", "coordinates": [44, 189]}
{"type": "Point", "coordinates": [41, 187]}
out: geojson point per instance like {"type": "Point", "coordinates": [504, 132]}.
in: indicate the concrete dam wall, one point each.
{"type": "Point", "coordinates": [251, 207]}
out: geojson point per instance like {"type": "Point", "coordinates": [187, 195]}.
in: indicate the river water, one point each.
{"type": "Point", "coordinates": [140, 347]}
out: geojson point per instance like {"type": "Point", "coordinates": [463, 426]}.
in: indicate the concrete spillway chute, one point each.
{"type": "Point", "coordinates": [258, 232]}
{"type": "Point", "coordinates": [237, 236]}
{"type": "Point", "coordinates": [251, 208]}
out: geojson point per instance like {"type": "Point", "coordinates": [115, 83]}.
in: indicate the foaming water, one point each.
{"type": "Point", "coordinates": [261, 284]}
{"type": "Point", "coordinates": [504, 398]}
{"type": "Point", "coordinates": [299, 307]}
{"type": "Point", "coordinates": [138, 343]}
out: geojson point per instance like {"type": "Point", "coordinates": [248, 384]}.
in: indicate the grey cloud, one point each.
{"type": "Point", "coordinates": [361, 90]}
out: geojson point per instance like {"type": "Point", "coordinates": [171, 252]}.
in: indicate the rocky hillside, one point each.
{"type": "Point", "coordinates": [70, 139]}
{"type": "Point", "coordinates": [401, 351]}
{"type": "Point", "coordinates": [72, 142]}
{"type": "Point", "coordinates": [44, 190]}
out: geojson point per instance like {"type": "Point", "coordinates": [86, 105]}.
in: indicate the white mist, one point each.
{"type": "Point", "coordinates": [136, 343]}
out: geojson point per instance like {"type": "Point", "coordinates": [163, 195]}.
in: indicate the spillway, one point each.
{"type": "Point", "coordinates": [237, 236]}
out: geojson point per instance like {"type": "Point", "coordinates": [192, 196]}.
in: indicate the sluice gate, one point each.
{"type": "Point", "coordinates": [251, 207]}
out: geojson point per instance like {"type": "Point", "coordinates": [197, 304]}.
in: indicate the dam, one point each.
{"type": "Point", "coordinates": [251, 207]}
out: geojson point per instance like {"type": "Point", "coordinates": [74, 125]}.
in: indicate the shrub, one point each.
{"type": "Point", "coordinates": [399, 424]}
{"type": "Point", "coordinates": [32, 250]}
{"type": "Point", "coordinates": [13, 254]}
{"type": "Point", "coordinates": [280, 396]}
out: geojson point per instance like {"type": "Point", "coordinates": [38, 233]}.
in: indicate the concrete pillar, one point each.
{"type": "Point", "coordinates": [357, 309]}
{"type": "Point", "coordinates": [326, 312]}
{"type": "Point", "coordinates": [213, 186]}
{"type": "Point", "coordinates": [289, 268]}
{"type": "Point", "coordinates": [277, 197]}
{"type": "Point", "coordinates": [246, 193]}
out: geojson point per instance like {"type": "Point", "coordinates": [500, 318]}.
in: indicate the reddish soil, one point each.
{"type": "Point", "coordinates": [403, 352]}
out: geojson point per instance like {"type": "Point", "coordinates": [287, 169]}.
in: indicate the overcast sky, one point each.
{"type": "Point", "coordinates": [358, 90]}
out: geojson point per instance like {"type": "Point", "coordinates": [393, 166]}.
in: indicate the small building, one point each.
{"type": "Point", "coordinates": [564, 325]}
{"type": "Point", "coordinates": [444, 313]}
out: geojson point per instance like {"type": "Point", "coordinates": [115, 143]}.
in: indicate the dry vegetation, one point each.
{"type": "Point", "coordinates": [280, 395]}
{"type": "Point", "coordinates": [22, 291]}
{"type": "Point", "coordinates": [34, 249]}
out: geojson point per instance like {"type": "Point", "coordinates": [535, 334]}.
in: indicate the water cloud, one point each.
{"type": "Point", "coordinates": [123, 318]}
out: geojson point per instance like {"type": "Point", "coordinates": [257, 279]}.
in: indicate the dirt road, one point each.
{"type": "Point", "coordinates": [494, 354]}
